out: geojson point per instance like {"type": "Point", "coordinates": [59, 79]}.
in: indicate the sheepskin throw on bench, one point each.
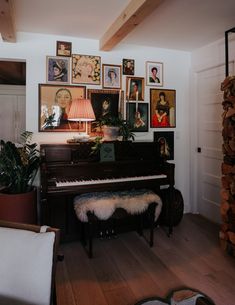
{"type": "Point", "coordinates": [103, 204]}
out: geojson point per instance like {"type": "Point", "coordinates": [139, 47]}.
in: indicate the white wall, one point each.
{"type": "Point", "coordinates": [35, 47]}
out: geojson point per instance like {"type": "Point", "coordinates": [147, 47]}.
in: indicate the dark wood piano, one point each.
{"type": "Point", "coordinates": [68, 170]}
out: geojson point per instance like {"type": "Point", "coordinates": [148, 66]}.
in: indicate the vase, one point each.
{"type": "Point", "coordinates": [19, 207]}
{"type": "Point", "coordinates": [111, 133]}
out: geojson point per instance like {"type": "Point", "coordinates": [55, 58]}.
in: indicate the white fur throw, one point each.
{"type": "Point", "coordinates": [103, 204]}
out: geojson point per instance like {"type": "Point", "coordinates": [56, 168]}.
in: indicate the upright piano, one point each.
{"type": "Point", "coordinates": [68, 170]}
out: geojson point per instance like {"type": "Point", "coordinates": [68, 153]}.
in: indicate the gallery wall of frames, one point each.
{"type": "Point", "coordinates": [68, 73]}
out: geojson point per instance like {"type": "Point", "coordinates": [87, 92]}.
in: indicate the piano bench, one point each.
{"type": "Point", "coordinates": [96, 207]}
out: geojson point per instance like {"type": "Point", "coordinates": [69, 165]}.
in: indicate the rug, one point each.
{"type": "Point", "coordinates": [180, 297]}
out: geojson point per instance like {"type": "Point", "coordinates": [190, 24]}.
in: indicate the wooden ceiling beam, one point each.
{"type": "Point", "coordinates": [132, 16]}
{"type": "Point", "coordinates": [7, 21]}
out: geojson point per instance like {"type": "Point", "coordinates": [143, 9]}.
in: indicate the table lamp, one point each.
{"type": "Point", "coordinates": [81, 110]}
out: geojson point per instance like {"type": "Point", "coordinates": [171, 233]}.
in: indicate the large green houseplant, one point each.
{"type": "Point", "coordinates": [19, 164]}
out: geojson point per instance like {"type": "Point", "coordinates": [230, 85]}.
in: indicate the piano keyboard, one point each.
{"type": "Point", "coordinates": [102, 181]}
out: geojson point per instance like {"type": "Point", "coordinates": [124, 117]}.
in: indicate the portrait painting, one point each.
{"type": "Point", "coordinates": [154, 73]}
{"type": "Point", "coordinates": [63, 48]}
{"type": "Point", "coordinates": [162, 108]}
{"type": "Point", "coordinates": [105, 103]}
{"type": "Point", "coordinates": [111, 76]}
{"type": "Point", "coordinates": [137, 116]}
{"type": "Point", "coordinates": [54, 106]}
{"type": "Point", "coordinates": [128, 66]}
{"type": "Point", "coordinates": [165, 140]}
{"type": "Point", "coordinates": [58, 70]}
{"type": "Point", "coordinates": [135, 88]}
{"type": "Point", "coordinates": [86, 69]}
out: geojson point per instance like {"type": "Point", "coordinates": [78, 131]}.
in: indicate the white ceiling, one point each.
{"type": "Point", "coordinates": [176, 24]}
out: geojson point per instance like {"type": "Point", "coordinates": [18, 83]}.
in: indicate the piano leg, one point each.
{"type": "Point", "coordinates": [151, 210]}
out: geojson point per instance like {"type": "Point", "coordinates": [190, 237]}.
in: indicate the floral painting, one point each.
{"type": "Point", "coordinates": [86, 69]}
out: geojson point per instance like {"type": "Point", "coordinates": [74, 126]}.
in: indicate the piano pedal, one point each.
{"type": "Point", "coordinates": [101, 235]}
{"type": "Point", "coordinates": [113, 234]}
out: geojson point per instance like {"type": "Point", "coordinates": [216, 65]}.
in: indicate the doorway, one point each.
{"type": "Point", "coordinates": [12, 100]}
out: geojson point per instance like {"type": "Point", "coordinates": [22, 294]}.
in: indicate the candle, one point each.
{"type": "Point", "coordinates": [137, 95]}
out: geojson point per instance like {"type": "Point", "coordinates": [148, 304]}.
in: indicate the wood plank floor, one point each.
{"type": "Point", "coordinates": [125, 270]}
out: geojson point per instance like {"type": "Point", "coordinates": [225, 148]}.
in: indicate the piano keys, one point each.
{"type": "Point", "coordinates": [68, 170]}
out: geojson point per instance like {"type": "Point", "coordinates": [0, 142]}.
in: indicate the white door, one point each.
{"type": "Point", "coordinates": [12, 114]}
{"type": "Point", "coordinates": [210, 109]}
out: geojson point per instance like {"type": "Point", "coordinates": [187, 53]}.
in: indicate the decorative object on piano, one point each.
{"type": "Point", "coordinates": [166, 143]}
{"type": "Point", "coordinates": [137, 116]}
{"type": "Point", "coordinates": [107, 152]}
{"type": "Point", "coordinates": [135, 88]}
{"type": "Point", "coordinates": [86, 69]}
{"type": "Point", "coordinates": [105, 102]}
{"type": "Point", "coordinates": [81, 111]}
{"type": "Point", "coordinates": [58, 70]}
{"type": "Point", "coordinates": [18, 167]}
{"type": "Point", "coordinates": [162, 108]}
{"type": "Point", "coordinates": [128, 66]}
{"type": "Point", "coordinates": [54, 105]}
{"type": "Point", "coordinates": [154, 73]}
{"type": "Point", "coordinates": [63, 48]}
{"type": "Point", "coordinates": [112, 76]}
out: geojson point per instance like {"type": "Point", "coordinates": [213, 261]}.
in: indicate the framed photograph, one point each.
{"type": "Point", "coordinates": [58, 70]}
{"type": "Point", "coordinates": [135, 88]}
{"type": "Point", "coordinates": [63, 48]}
{"type": "Point", "coordinates": [54, 105]}
{"type": "Point", "coordinates": [166, 143]}
{"type": "Point", "coordinates": [105, 102]}
{"type": "Point", "coordinates": [128, 66]}
{"type": "Point", "coordinates": [137, 116]}
{"type": "Point", "coordinates": [86, 69]}
{"type": "Point", "coordinates": [112, 76]}
{"type": "Point", "coordinates": [162, 108]}
{"type": "Point", "coordinates": [154, 73]}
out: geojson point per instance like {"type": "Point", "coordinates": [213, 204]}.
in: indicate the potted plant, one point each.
{"type": "Point", "coordinates": [19, 164]}
{"type": "Point", "coordinates": [115, 126]}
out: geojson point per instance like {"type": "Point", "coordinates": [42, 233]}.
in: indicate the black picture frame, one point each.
{"type": "Point", "coordinates": [98, 96]}
{"type": "Point", "coordinates": [166, 143]}
{"type": "Point", "coordinates": [138, 116]}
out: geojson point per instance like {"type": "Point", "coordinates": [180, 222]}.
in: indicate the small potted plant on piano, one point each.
{"type": "Point", "coordinates": [114, 127]}
{"type": "Point", "coordinates": [19, 164]}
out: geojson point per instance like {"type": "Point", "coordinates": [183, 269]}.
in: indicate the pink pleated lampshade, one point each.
{"type": "Point", "coordinates": [81, 110]}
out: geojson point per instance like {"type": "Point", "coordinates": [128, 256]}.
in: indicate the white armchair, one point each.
{"type": "Point", "coordinates": [28, 255]}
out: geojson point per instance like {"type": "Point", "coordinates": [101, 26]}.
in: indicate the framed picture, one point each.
{"type": "Point", "coordinates": [154, 73]}
{"type": "Point", "coordinates": [128, 66]}
{"type": "Point", "coordinates": [105, 102]}
{"type": "Point", "coordinates": [162, 108]}
{"type": "Point", "coordinates": [54, 105]}
{"type": "Point", "coordinates": [63, 48]}
{"type": "Point", "coordinates": [111, 76]}
{"type": "Point", "coordinates": [137, 116]}
{"type": "Point", "coordinates": [135, 88]}
{"type": "Point", "coordinates": [166, 143]}
{"type": "Point", "coordinates": [107, 152]}
{"type": "Point", "coordinates": [58, 70]}
{"type": "Point", "coordinates": [86, 69]}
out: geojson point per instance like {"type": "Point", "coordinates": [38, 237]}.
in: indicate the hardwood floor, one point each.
{"type": "Point", "coordinates": [126, 269]}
